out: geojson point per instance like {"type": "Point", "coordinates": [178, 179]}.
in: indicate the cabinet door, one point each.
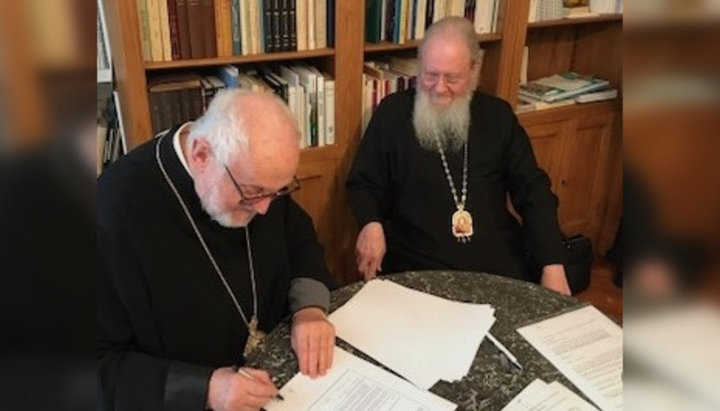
{"type": "Point", "coordinates": [316, 197]}
{"type": "Point", "coordinates": [583, 177]}
{"type": "Point", "coordinates": [546, 140]}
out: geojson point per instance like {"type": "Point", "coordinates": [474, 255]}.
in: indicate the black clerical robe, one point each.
{"type": "Point", "coordinates": [395, 181]}
{"type": "Point", "coordinates": [165, 319]}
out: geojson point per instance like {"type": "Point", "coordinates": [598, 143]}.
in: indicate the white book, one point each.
{"type": "Point", "coordinates": [165, 30]}
{"type": "Point", "coordinates": [329, 109]}
{"type": "Point", "coordinates": [301, 10]}
{"type": "Point", "coordinates": [439, 9]}
{"type": "Point", "coordinates": [495, 12]}
{"type": "Point", "coordinates": [293, 79]}
{"type": "Point", "coordinates": [308, 81]}
{"type": "Point", "coordinates": [532, 15]}
{"type": "Point", "coordinates": [311, 45]}
{"type": "Point", "coordinates": [367, 102]}
{"type": "Point", "coordinates": [456, 8]}
{"type": "Point", "coordinates": [524, 65]}
{"type": "Point", "coordinates": [402, 21]}
{"type": "Point", "coordinates": [253, 21]}
{"type": "Point", "coordinates": [320, 24]}
{"type": "Point", "coordinates": [144, 29]}
{"type": "Point", "coordinates": [420, 19]}
{"type": "Point", "coordinates": [245, 28]}
{"type": "Point", "coordinates": [156, 47]}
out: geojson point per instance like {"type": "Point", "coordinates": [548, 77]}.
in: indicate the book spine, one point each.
{"type": "Point", "coordinates": [301, 24]}
{"type": "Point", "coordinates": [270, 25]}
{"type": "Point", "coordinates": [144, 30]}
{"type": "Point", "coordinates": [330, 23]}
{"type": "Point", "coordinates": [291, 25]}
{"type": "Point", "coordinates": [155, 30]}
{"type": "Point", "coordinates": [195, 28]}
{"type": "Point", "coordinates": [165, 29]}
{"type": "Point", "coordinates": [174, 33]}
{"type": "Point", "coordinates": [235, 20]}
{"type": "Point", "coordinates": [208, 28]}
{"type": "Point", "coordinates": [329, 111]}
{"type": "Point", "coordinates": [284, 32]}
{"type": "Point", "coordinates": [183, 29]}
{"type": "Point", "coordinates": [320, 24]}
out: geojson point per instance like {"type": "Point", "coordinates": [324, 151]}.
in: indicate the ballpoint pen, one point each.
{"type": "Point", "coordinates": [242, 371]}
{"type": "Point", "coordinates": [504, 350]}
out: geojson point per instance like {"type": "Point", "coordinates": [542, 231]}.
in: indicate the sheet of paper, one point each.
{"type": "Point", "coordinates": [355, 384]}
{"type": "Point", "coordinates": [540, 396]}
{"type": "Point", "coordinates": [422, 337]}
{"type": "Point", "coordinates": [587, 348]}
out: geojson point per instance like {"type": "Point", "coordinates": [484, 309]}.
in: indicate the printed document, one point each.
{"type": "Point", "coordinates": [541, 396]}
{"type": "Point", "coordinates": [587, 348]}
{"type": "Point", "coordinates": [355, 384]}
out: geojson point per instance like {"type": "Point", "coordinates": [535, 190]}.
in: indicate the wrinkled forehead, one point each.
{"type": "Point", "coordinates": [446, 52]}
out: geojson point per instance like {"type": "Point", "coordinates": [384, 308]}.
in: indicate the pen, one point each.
{"type": "Point", "coordinates": [504, 350]}
{"type": "Point", "coordinates": [242, 371]}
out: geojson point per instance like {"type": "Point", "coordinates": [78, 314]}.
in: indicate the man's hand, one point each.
{"type": "Point", "coordinates": [553, 277]}
{"type": "Point", "coordinates": [229, 390]}
{"type": "Point", "coordinates": [370, 250]}
{"type": "Point", "coordinates": [313, 340]}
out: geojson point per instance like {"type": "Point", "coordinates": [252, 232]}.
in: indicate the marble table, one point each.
{"type": "Point", "coordinates": [492, 381]}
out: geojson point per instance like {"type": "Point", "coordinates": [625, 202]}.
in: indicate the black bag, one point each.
{"type": "Point", "coordinates": [578, 262]}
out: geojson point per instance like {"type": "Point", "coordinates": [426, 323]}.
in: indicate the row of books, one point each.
{"type": "Point", "coordinates": [193, 29]}
{"type": "Point", "coordinates": [384, 77]}
{"type": "Point", "coordinates": [398, 21]}
{"type": "Point", "coordinates": [563, 89]}
{"type": "Point", "coordinates": [308, 92]}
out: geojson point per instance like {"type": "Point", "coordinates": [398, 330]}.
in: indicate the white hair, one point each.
{"type": "Point", "coordinates": [222, 125]}
{"type": "Point", "coordinates": [455, 25]}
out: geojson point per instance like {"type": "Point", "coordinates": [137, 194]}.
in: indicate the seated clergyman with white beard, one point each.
{"type": "Point", "coordinates": [431, 176]}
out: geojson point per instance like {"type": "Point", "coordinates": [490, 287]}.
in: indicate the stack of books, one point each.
{"type": "Point", "coordinates": [562, 89]}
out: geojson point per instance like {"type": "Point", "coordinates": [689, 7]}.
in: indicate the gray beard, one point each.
{"type": "Point", "coordinates": [448, 125]}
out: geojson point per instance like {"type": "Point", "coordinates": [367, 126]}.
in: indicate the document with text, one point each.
{"type": "Point", "coordinates": [355, 384]}
{"type": "Point", "coordinates": [587, 348]}
{"type": "Point", "coordinates": [541, 396]}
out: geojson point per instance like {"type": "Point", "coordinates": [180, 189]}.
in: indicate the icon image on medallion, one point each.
{"type": "Point", "coordinates": [462, 225]}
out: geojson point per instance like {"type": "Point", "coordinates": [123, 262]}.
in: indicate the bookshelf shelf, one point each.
{"type": "Point", "coordinates": [253, 58]}
{"type": "Point", "coordinates": [569, 21]}
{"type": "Point", "coordinates": [409, 45]}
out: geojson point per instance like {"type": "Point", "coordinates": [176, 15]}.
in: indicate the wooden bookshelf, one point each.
{"type": "Point", "coordinates": [582, 44]}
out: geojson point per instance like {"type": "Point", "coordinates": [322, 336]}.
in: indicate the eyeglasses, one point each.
{"type": "Point", "coordinates": [252, 199]}
{"type": "Point", "coordinates": [449, 79]}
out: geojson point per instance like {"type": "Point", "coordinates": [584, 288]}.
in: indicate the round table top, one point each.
{"type": "Point", "coordinates": [492, 382]}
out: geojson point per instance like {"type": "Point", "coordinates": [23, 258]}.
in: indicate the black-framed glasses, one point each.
{"type": "Point", "coordinates": [252, 199]}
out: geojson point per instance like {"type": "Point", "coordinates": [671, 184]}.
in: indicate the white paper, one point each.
{"type": "Point", "coordinates": [540, 396]}
{"type": "Point", "coordinates": [355, 384]}
{"type": "Point", "coordinates": [587, 348]}
{"type": "Point", "coordinates": [422, 337]}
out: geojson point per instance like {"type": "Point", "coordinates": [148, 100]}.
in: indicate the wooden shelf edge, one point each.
{"type": "Point", "coordinates": [253, 58]}
{"type": "Point", "coordinates": [569, 110]}
{"type": "Point", "coordinates": [411, 44]}
{"type": "Point", "coordinates": [568, 21]}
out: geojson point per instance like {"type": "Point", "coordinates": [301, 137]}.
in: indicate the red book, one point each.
{"type": "Point", "coordinates": [196, 28]}
{"type": "Point", "coordinates": [208, 28]}
{"type": "Point", "coordinates": [183, 29]}
{"type": "Point", "coordinates": [174, 35]}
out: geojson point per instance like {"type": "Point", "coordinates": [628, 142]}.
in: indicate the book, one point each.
{"type": "Point", "coordinates": [597, 96]}
{"type": "Point", "coordinates": [235, 27]}
{"type": "Point", "coordinates": [144, 30]}
{"type": "Point", "coordinates": [208, 28]}
{"type": "Point", "coordinates": [195, 28]}
{"type": "Point", "coordinates": [174, 33]}
{"type": "Point", "coordinates": [320, 24]}
{"type": "Point", "coordinates": [301, 27]}
{"type": "Point", "coordinates": [165, 29]}
{"type": "Point", "coordinates": [561, 86]}
{"type": "Point", "coordinates": [372, 20]}
{"type": "Point", "coordinates": [156, 43]}
{"type": "Point", "coordinates": [183, 29]}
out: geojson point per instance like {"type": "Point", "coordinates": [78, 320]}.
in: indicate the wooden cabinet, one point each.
{"type": "Point", "coordinates": [578, 148]}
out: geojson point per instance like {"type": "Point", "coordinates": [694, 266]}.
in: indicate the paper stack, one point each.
{"type": "Point", "coordinates": [422, 337]}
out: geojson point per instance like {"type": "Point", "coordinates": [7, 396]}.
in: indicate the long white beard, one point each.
{"type": "Point", "coordinates": [449, 125]}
